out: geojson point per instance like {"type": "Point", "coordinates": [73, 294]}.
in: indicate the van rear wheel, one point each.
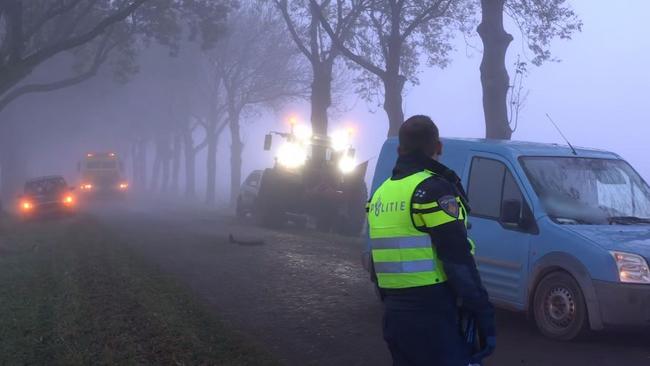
{"type": "Point", "coordinates": [559, 307]}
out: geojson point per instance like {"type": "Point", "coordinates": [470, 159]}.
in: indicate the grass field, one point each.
{"type": "Point", "coordinates": [70, 294]}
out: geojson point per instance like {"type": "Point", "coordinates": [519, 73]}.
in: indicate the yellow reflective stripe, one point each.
{"type": "Point", "coordinates": [401, 255]}
{"type": "Point", "coordinates": [425, 206]}
{"type": "Point", "coordinates": [438, 218]}
{"type": "Point", "coordinates": [417, 220]}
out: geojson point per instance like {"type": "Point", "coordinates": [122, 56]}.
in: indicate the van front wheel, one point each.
{"type": "Point", "coordinates": [559, 307]}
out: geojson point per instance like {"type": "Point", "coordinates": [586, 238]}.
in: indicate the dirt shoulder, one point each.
{"type": "Point", "coordinates": [72, 294]}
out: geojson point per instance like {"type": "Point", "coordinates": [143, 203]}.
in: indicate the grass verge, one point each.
{"type": "Point", "coordinates": [70, 294]}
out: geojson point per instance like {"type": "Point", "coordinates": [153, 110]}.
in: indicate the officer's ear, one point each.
{"type": "Point", "coordinates": [438, 149]}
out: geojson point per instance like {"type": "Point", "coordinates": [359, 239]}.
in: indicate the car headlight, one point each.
{"type": "Point", "coordinates": [347, 164]}
{"type": "Point", "coordinates": [632, 268]}
{"type": "Point", "coordinates": [292, 155]}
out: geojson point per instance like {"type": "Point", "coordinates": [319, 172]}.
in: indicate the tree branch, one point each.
{"type": "Point", "coordinates": [282, 5]}
{"type": "Point", "coordinates": [48, 52]}
{"type": "Point", "coordinates": [339, 44]}
{"type": "Point", "coordinates": [428, 14]}
{"type": "Point", "coordinates": [51, 13]}
{"type": "Point", "coordinates": [100, 57]}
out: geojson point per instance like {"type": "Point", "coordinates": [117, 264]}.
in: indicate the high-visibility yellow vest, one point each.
{"type": "Point", "coordinates": [404, 256]}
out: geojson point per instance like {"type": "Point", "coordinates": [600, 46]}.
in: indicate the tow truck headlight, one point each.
{"type": "Point", "coordinates": [86, 187]}
{"type": "Point", "coordinates": [632, 268]}
{"type": "Point", "coordinates": [124, 186]}
{"type": "Point", "coordinates": [292, 155]}
{"type": "Point", "coordinates": [347, 164]}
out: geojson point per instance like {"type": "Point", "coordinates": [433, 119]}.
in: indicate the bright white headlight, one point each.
{"type": "Point", "coordinates": [292, 155]}
{"type": "Point", "coordinates": [340, 140]}
{"type": "Point", "coordinates": [632, 268]}
{"type": "Point", "coordinates": [302, 132]}
{"type": "Point", "coordinates": [347, 164]}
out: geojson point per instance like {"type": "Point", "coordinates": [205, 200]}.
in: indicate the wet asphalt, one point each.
{"type": "Point", "coordinates": [305, 297]}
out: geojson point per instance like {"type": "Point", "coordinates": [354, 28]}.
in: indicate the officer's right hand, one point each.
{"type": "Point", "coordinates": [488, 349]}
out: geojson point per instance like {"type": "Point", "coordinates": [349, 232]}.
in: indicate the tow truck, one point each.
{"type": "Point", "coordinates": [102, 174]}
{"type": "Point", "coordinates": [314, 178]}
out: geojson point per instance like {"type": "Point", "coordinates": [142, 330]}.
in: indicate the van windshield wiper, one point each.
{"type": "Point", "coordinates": [628, 220]}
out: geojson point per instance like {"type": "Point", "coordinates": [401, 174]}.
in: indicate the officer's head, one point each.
{"type": "Point", "coordinates": [419, 135]}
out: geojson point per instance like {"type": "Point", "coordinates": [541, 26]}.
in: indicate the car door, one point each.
{"type": "Point", "coordinates": [501, 247]}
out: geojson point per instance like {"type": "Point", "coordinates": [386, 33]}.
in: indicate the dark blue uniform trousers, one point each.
{"type": "Point", "coordinates": [421, 327]}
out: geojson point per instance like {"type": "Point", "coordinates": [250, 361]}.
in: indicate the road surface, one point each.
{"type": "Point", "coordinates": [304, 296]}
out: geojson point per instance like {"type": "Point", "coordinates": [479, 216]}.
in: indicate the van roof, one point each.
{"type": "Point", "coordinates": [519, 148]}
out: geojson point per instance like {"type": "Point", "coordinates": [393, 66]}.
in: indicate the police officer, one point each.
{"type": "Point", "coordinates": [422, 257]}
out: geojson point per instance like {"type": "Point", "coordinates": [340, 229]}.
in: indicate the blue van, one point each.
{"type": "Point", "coordinates": [562, 235]}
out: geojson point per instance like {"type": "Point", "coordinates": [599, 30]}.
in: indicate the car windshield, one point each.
{"type": "Point", "coordinates": [45, 186]}
{"type": "Point", "coordinates": [589, 190]}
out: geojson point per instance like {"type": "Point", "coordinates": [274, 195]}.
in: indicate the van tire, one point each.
{"type": "Point", "coordinates": [559, 307]}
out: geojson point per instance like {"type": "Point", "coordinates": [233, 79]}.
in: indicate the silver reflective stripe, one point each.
{"type": "Point", "coordinates": [401, 243]}
{"type": "Point", "coordinates": [426, 265]}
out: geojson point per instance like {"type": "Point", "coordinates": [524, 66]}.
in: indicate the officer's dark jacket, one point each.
{"type": "Point", "coordinates": [450, 239]}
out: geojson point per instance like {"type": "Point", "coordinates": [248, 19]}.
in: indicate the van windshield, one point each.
{"type": "Point", "coordinates": [589, 190]}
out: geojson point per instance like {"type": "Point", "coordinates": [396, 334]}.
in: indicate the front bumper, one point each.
{"type": "Point", "coordinates": [623, 305]}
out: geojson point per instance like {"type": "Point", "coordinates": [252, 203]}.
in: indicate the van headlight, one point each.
{"type": "Point", "coordinates": [292, 155]}
{"type": "Point", "coordinates": [632, 268]}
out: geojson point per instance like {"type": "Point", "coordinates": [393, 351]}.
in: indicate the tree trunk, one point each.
{"type": "Point", "coordinates": [176, 163]}
{"type": "Point", "coordinates": [393, 87]}
{"type": "Point", "coordinates": [236, 149]}
{"type": "Point", "coordinates": [142, 165]}
{"type": "Point", "coordinates": [166, 155]}
{"type": "Point", "coordinates": [393, 80]}
{"type": "Point", "coordinates": [321, 100]}
{"type": "Point", "coordinates": [494, 75]}
{"type": "Point", "coordinates": [157, 165]}
{"type": "Point", "coordinates": [190, 168]}
{"type": "Point", "coordinates": [211, 164]}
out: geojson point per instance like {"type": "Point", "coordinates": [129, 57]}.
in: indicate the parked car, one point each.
{"type": "Point", "coordinates": [45, 196]}
{"type": "Point", "coordinates": [248, 194]}
{"type": "Point", "coordinates": [562, 235]}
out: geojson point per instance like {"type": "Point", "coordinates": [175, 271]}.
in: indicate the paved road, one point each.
{"type": "Point", "coordinates": [305, 297]}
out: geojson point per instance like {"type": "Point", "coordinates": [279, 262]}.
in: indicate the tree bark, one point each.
{"type": "Point", "coordinates": [494, 75]}
{"type": "Point", "coordinates": [190, 167]}
{"type": "Point", "coordinates": [321, 100]}
{"type": "Point", "coordinates": [393, 87]}
{"type": "Point", "coordinates": [176, 163]}
{"type": "Point", "coordinates": [236, 148]}
{"type": "Point", "coordinates": [211, 164]}
{"type": "Point", "coordinates": [393, 80]}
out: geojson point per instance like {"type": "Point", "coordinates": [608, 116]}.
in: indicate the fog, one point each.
{"type": "Point", "coordinates": [597, 92]}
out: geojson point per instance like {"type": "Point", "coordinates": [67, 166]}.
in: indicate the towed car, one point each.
{"type": "Point", "coordinates": [561, 234]}
{"type": "Point", "coordinates": [49, 195]}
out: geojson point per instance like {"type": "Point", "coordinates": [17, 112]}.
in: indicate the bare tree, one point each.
{"type": "Point", "coordinates": [393, 37]}
{"type": "Point", "coordinates": [33, 32]}
{"type": "Point", "coordinates": [258, 66]}
{"type": "Point", "coordinates": [540, 21]}
{"type": "Point", "coordinates": [306, 32]}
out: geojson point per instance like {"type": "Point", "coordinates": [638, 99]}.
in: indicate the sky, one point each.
{"type": "Point", "coordinates": [599, 93]}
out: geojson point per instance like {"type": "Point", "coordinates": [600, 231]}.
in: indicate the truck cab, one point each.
{"type": "Point", "coordinates": [102, 174]}
{"type": "Point", "coordinates": [561, 234]}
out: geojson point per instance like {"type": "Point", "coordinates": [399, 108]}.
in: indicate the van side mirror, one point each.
{"type": "Point", "coordinates": [511, 212]}
{"type": "Point", "coordinates": [268, 141]}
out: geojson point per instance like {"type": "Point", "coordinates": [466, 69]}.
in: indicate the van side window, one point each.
{"type": "Point", "coordinates": [485, 187]}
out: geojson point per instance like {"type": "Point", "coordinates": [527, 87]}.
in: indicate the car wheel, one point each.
{"type": "Point", "coordinates": [559, 307]}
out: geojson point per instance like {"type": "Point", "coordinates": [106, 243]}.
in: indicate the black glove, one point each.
{"type": "Point", "coordinates": [488, 348]}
